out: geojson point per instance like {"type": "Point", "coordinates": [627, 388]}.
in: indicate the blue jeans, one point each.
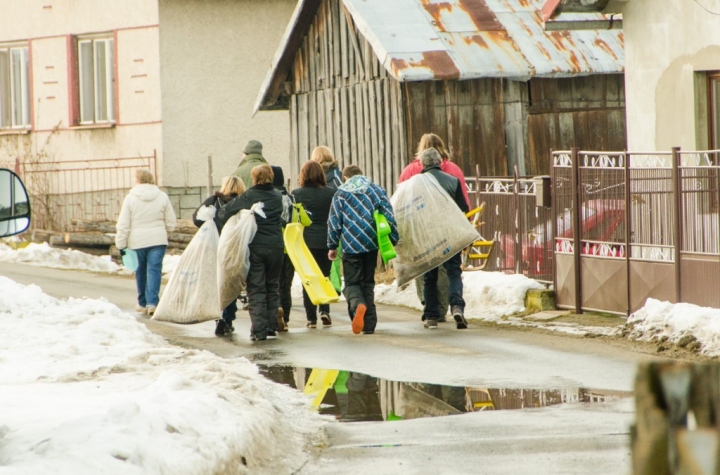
{"type": "Point", "coordinates": [148, 274]}
{"type": "Point", "coordinates": [432, 300]}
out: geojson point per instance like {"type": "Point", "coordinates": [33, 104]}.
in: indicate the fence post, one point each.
{"type": "Point", "coordinates": [628, 231]}
{"type": "Point", "coordinates": [577, 224]}
{"type": "Point", "coordinates": [209, 177]}
{"type": "Point", "coordinates": [516, 206]}
{"type": "Point", "coordinates": [677, 202]}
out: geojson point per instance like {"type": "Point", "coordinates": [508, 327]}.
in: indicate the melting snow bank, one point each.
{"type": "Point", "coordinates": [45, 256]}
{"type": "Point", "coordinates": [683, 324]}
{"type": "Point", "coordinates": [488, 295]}
{"type": "Point", "coordinates": [87, 389]}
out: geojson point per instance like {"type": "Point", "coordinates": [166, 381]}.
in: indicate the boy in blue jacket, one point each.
{"type": "Point", "coordinates": [351, 223]}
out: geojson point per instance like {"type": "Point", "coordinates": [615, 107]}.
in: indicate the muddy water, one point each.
{"type": "Point", "coordinates": [351, 396]}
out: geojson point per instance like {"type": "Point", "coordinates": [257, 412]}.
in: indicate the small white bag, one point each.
{"type": "Point", "coordinates": [432, 228]}
{"type": "Point", "coordinates": [233, 254]}
{"type": "Point", "coordinates": [191, 293]}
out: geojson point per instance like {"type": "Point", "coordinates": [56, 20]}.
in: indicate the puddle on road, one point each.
{"type": "Point", "coordinates": [352, 397]}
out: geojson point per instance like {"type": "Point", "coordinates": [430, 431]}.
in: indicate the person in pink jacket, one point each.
{"type": "Point", "coordinates": [415, 168]}
{"type": "Point", "coordinates": [146, 218]}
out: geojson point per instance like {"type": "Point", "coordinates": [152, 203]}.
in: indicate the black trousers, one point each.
{"type": "Point", "coordinates": [324, 263]}
{"type": "Point", "coordinates": [263, 284]}
{"type": "Point", "coordinates": [359, 272]}
{"type": "Point", "coordinates": [287, 273]}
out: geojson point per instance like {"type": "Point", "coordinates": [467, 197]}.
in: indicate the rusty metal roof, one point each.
{"type": "Point", "coordinates": [418, 40]}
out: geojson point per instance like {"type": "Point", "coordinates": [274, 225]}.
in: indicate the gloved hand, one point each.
{"type": "Point", "coordinates": [122, 252]}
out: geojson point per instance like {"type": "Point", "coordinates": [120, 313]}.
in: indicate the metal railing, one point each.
{"type": "Point", "coordinates": [61, 191]}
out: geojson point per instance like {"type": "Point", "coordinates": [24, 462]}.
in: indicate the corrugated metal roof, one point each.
{"type": "Point", "coordinates": [418, 40]}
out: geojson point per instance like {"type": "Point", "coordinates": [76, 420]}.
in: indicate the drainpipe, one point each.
{"type": "Point", "coordinates": [628, 231]}
{"type": "Point", "coordinates": [577, 224]}
{"type": "Point", "coordinates": [677, 195]}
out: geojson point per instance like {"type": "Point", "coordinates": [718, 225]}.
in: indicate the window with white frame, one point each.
{"type": "Point", "coordinates": [96, 76]}
{"type": "Point", "coordinates": [14, 87]}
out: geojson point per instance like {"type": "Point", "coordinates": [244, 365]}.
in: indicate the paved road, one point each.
{"type": "Point", "coordinates": [568, 438]}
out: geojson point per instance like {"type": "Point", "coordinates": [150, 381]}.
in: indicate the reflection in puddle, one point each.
{"type": "Point", "coordinates": [353, 396]}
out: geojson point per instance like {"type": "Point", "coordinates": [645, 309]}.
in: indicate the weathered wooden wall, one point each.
{"type": "Point", "coordinates": [587, 112]}
{"type": "Point", "coordinates": [343, 98]}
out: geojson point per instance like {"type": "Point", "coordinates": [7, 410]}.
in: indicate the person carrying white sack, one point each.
{"type": "Point", "coordinates": [191, 294]}
{"type": "Point", "coordinates": [431, 160]}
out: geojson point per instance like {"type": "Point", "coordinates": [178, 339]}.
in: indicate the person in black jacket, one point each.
{"type": "Point", "coordinates": [266, 251]}
{"type": "Point", "coordinates": [316, 197]}
{"type": "Point", "coordinates": [287, 272]}
{"type": "Point", "coordinates": [431, 161]}
{"type": "Point", "coordinates": [232, 186]}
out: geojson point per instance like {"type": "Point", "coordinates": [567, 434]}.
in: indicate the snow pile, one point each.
{"type": "Point", "coordinates": [45, 256]}
{"type": "Point", "coordinates": [681, 323]}
{"type": "Point", "coordinates": [488, 296]}
{"type": "Point", "coordinates": [87, 389]}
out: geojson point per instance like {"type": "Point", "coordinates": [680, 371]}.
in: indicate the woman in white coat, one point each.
{"type": "Point", "coordinates": [146, 218]}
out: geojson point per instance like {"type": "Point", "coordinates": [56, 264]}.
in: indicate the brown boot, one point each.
{"type": "Point", "coordinates": [282, 327]}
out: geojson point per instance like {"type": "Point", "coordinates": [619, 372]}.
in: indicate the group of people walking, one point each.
{"type": "Point", "coordinates": [340, 205]}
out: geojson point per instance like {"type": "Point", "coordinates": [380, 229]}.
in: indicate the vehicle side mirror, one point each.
{"type": "Point", "coordinates": [14, 204]}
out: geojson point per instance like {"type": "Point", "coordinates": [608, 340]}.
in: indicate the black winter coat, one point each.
{"type": "Point", "coordinates": [217, 200]}
{"type": "Point", "coordinates": [333, 177]}
{"type": "Point", "coordinates": [269, 229]}
{"type": "Point", "coordinates": [450, 184]}
{"type": "Point", "coordinates": [317, 202]}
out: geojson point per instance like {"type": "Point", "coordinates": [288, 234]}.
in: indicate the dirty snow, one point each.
{"type": "Point", "coordinates": [87, 389]}
{"type": "Point", "coordinates": [45, 256]}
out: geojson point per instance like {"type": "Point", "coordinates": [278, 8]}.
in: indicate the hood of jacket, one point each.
{"type": "Point", "coordinates": [356, 184]}
{"type": "Point", "coordinates": [252, 157]}
{"type": "Point", "coordinates": [145, 191]}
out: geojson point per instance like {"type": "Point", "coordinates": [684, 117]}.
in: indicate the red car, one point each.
{"type": "Point", "coordinates": [603, 233]}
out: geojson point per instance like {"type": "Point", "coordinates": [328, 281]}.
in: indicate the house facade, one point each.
{"type": "Point", "coordinates": [369, 78]}
{"type": "Point", "coordinates": [672, 77]}
{"type": "Point", "coordinates": [90, 90]}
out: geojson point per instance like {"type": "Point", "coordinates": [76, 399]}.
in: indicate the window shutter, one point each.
{"type": "Point", "coordinates": [5, 103]}
{"type": "Point", "coordinates": [715, 111]}
{"type": "Point", "coordinates": [73, 82]}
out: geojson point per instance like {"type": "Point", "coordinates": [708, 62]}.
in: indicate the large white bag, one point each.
{"type": "Point", "coordinates": [432, 228]}
{"type": "Point", "coordinates": [191, 294]}
{"type": "Point", "coordinates": [233, 255]}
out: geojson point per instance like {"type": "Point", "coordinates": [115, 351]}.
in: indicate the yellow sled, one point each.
{"type": "Point", "coordinates": [319, 382]}
{"type": "Point", "coordinates": [318, 287]}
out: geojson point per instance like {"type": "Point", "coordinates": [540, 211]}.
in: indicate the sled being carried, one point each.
{"type": "Point", "coordinates": [318, 287]}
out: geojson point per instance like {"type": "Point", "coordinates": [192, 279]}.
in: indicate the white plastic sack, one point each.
{"type": "Point", "coordinates": [432, 228]}
{"type": "Point", "coordinates": [191, 294]}
{"type": "Point", "coordinates": [233, 255]}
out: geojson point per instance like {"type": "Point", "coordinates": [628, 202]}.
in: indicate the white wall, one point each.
{"type": "Point", "coordinates": [47, 26]}
{"type": "Point", "coordinates": [215, 55]}
{"type": "Point", "coordinates": [666, 42]}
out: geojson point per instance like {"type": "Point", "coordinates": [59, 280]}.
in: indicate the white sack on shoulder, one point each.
{"type": "Point", "coordinates": [432, 228]}
{"type": "Point", "coordinates": [233, 256]}
{"type": "Point", "coordinates": [206, 213]}
{"type": "Point", "coordinates": [191, 293]}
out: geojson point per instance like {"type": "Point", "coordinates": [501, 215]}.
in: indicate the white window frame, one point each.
{"type": "Point", "coordinates": [19, 114]}
{"type": "Point", "coordinates": [92, 90]}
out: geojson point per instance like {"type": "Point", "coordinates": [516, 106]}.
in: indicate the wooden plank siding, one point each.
{"type": "Point", "coordinates": [344, 98]}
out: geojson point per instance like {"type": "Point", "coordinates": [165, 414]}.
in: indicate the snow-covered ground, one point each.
{"type": "Point", "coordinates": [45, 256]}
{"type": "Point", "coordinates": [86, 389]}
{"type": "Point", "coordinates": [490, 296]}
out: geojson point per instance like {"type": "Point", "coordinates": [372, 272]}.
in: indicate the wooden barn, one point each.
{"type": "Point", "coordinates": [369, 77]}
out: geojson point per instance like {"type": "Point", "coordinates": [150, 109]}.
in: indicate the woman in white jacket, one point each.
{"type": "Point", "coordinates": [146, 218]}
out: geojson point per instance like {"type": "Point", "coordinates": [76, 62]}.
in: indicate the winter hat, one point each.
{"type": "Point", "coordinates": [278, 176]}
{"type": "Point", "coordinates": [253, 146]}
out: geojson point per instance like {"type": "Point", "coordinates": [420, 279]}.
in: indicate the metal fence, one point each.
{"type": "Point", "coordinates": [635, 225]}
{"type": "Point", "coordinates": [521, 229]}
{"type": "Point", "coordinates": [80, 189]}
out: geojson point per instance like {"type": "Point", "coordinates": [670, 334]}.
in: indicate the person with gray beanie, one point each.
{"type": "Point", "coordinates": [252, 158]}
{"type": "Point", "coordinates": [431, 160]}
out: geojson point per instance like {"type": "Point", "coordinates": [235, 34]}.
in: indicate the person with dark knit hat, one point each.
{"type": "Point", "coordinates": [287, 271]}
{"type": "Point", "coordinates": [252, 158]}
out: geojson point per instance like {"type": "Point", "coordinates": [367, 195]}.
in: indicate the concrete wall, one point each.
{"type": "Point", "coordinates": [215, 55]}
{"type": "Point", "coordinates": [666, 43]}
{"type": "Point", "coordinates": [47, 27]}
